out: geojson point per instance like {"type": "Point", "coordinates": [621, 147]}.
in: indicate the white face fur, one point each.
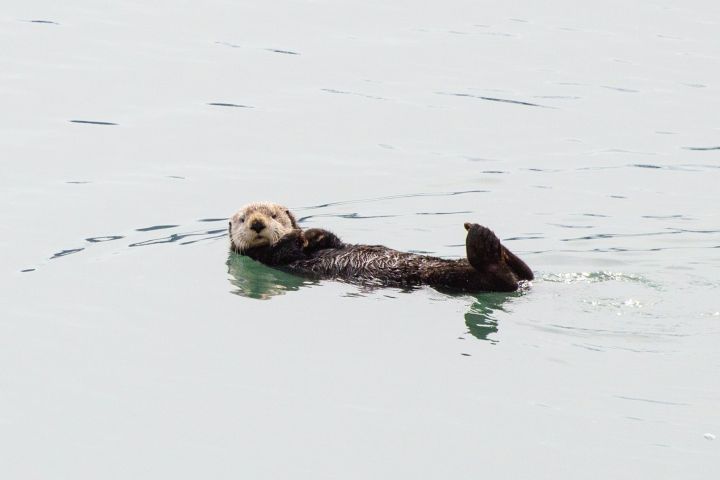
{"type": "Point", "coordinates": [258, 224]}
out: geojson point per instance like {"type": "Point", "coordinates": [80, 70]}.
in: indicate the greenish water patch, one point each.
{"type": "Point", "coordinates": [254, 280]}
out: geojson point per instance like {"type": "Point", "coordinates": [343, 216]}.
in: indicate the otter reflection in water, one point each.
{"type": "Point", "coordinates": [480, 319]}
{"type": "Point", "coordinates": [254, 280]}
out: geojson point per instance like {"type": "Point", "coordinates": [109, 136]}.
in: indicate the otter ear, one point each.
{"type": "Point", "coordinates": [293, 222]}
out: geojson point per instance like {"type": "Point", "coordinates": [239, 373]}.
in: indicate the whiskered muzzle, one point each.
{"type": "Point", "coordinates": [260, 224]}
{"type": "Point", "coordinates": [257, 226]}
{"type": "Point", "coordinates": [244, 238]}
{"type": "Point", "coordinates": [275, 235]}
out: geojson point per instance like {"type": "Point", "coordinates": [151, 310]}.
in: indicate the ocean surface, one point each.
{"type": "Point", "coordinates": [134, 345]}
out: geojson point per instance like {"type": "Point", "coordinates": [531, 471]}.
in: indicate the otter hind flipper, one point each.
{"type": "Point", "coordinates": [483, 247]}
{"type": "Point", "coordinates": [490, 258]}
{"type": "Point", "coordinates": [519, 268]}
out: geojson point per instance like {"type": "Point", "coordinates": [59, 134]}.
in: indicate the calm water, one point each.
{"type": "Point", "coordinates": [135, 346]}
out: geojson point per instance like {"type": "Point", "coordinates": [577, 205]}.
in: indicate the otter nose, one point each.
{"type": "Point", "coordinates": [257, 225]}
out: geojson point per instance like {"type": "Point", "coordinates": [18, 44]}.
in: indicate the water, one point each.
{"type": "Point", "coordinates": [135, 346]}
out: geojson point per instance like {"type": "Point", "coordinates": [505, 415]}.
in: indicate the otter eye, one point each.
{"type": "Point", "coordinates": [241, 220]}
{"type": "Point", "coordinates": [274, 215]}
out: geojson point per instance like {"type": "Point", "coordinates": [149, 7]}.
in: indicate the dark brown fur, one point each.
{"type": "Point", "coordinates": [321, 254]}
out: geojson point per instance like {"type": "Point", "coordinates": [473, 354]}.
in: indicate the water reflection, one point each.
{"type": "Point", "coordinates": [254, 280]}
{"type": "Point", "coordinates": [480, 318]}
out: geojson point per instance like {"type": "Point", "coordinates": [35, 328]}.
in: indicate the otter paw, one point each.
{"type": "Point", "coordinates": [314, 236]}
{"type": "Point", "coordinates": [319, 239]}
{"type": "Point", "coordinates": [483, 246]}
{"type": "Point", "coordinates": [294, 239]}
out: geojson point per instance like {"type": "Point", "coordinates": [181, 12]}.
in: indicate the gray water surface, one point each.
{"type": "Point", "coordinates": [134, 345]}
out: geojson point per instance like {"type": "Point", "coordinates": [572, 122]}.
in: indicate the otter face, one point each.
{"type": "Point", "coordinates": [259, 224]}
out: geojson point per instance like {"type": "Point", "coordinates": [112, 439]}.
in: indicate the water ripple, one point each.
{"type": "Point", "coordinates": [286, 52]}
{"type": "Point", "coordinates": [223, 104]}
{"type": "Point", "coordinates": [702, 149]}
{"type": "Point", "coordinates": [63, 253]}
{"type": "Point", "coordinates": [47, 22]}
{"type": "Point", "coordinates": [611, 332]}
{"type": "Point", "coordinates": [596, 277]}
{"type": "Point", "coordinates": [648, 400]}
{"type": "Point", "coordinates": [343, 215]}
{"type": "Point", "coordinates": [175, 237]}
{"type": "Point", "coordinates": [155, 227]}
{"type": "Point", "coordinates": [92, 122]}
{"type": "Point", "coordinates": [444, 213]}
{"type": "Point", "coordinates": [107, 238]}
{"type": "Point", "coordinates": [494, 99]}
{"type": "Point", "coordinates": [393, 197]}
{"type": "Point", "coordinates": [343, 92]}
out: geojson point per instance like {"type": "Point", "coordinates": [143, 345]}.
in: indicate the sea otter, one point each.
{"type": "Point", "coordinates": [269, 233]}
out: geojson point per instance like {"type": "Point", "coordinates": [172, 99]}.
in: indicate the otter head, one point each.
{"type": "Point", "coordinates": [260, 224]}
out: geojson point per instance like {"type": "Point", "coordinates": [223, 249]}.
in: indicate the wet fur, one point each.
{"type": "Point", "coordinates": [276, 220]}
{"type": "Point", "coordinates": [321, 254]}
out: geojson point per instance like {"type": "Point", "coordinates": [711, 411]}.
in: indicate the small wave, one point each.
{"type": "Point", "coordinates": [494, 99]}
{"type": "Point", "coordinates": [65, 252]}
{"type": "Point", "coordinates": [224, 104]}
{"type": "Point", "coordinates": [344, 92]}
{"type": "Point", "coordinates": [620, 89]}
{"type": "Point", "coordinates": [155, 227]}
{"type": "Point", "coordinates": [595, 277]}
{"type": "Point", "coordinates": [285, 52]}
{"type": "Point", "coordinates": [353, 216]}
{"type": "Point", "coordinates": [46, 22]}
{"type": "Point", "coordinates": [445, 213]}
{"type": "Point", "coordinates": [392, 197]}
{"type": "Point", "coordinates": [177, 237]}
{"type": "Point", "coordinates": [181, 238]}
{"type": "Point", "coordinates": [106, 238]}
{"type": "Point", "coordinates": [93, 122]}
{"type": "Point", "coordinates": [702, 149]}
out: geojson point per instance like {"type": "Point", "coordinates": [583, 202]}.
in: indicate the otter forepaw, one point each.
{"type": "Point", "coordinates": [319, 239]}
{"type": "Point", "coordinates": [290, 242]}
{"type": "Point", "coordinates": [314, 236]}
{"type": "Point", "coordinates": [483, 246]}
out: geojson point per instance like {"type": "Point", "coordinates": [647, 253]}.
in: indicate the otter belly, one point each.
{"type": "Point", "coordinates": [374, 264]}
